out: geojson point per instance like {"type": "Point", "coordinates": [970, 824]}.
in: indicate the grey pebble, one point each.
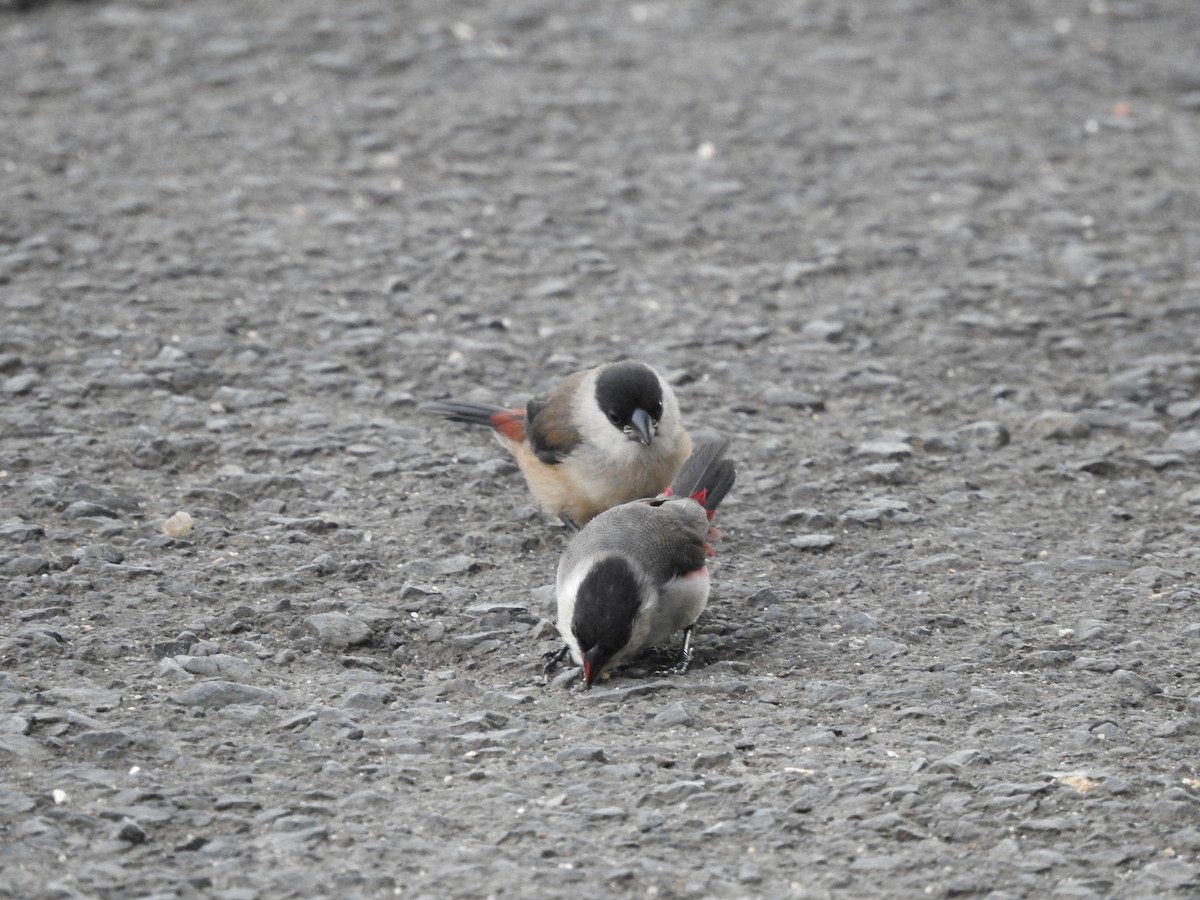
{"type": "Point", "coordinates": [1173, 872]}
{"type": "Point", "coordinates": [458, 565]}
{"type": "Point", "coordinates": [338, 630]}
{"type": "Point", "coordinates": [216, 694]}
{"type": "Point", "coordinates": [20, 384]}
{"type": "Point", "coordinates": [762, 597]}
{"type": "Point", "coordinates": [859, 623]}
{"type": "Point", "coordinates": [1058, 425]}
{"type": "Point", "coordinates": [1186, 442]}
{"type": "Point", "coordinates": [105, 741]}
{"type": "Point", "coordinates": [246, 398]}
{"type": "Point", "coordinates": [25, 565]}
{"type": "Point", "coordinates": [885, 448]}
{"type": "Point", "coordinates": [823, 330]}
{"type": "Point", "coordinates": [885, 472]}
{"type": "Point", "coordinates": [867, 515]}
{"type": "Point", "coordinates": [810, 518]}
{"type": "Point", "coordinates": [813, 541]}
{"type": "Point", "coordinates": [216, 665]}
{"type": "Point", "coordinates": [22, 532]}
{"type": "Point", "coordinates": [567, 678]}
{"type": "Point", "coordinates": [675, 792]}
{"type": "Point", "coordinates": [674, 715]}
{"type": "Point", "coordinates": [581, 754]}
{"type": "Point", "coordinates": [171, 672]}
{"type": "Point", "coordinates": [368, 695]}
{"type": "Point", "coordinates": [86, 509]}
{"type": "Point", "coordinates": [1132, 687]}
{"type": "Point", "coordinates": [1185, 726]}
{"type": "Point", "coordinates": [984, 435]}
{"type": "Point", "coordinates": [1183, 409]}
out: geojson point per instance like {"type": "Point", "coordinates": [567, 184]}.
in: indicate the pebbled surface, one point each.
{"type": "Point", "coordinates": [932, 266]}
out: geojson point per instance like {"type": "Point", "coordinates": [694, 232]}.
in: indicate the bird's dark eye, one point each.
{"type": "Point", "coordinates": [615, 418]}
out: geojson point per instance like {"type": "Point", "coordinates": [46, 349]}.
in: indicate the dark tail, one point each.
{"type": "Point", "coordinates": [706, 475]}
{"type": "Point", "coordinates": [509, 422]}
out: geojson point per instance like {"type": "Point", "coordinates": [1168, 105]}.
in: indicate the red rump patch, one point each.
{"type": "Point", "coordinates": [510, 423]}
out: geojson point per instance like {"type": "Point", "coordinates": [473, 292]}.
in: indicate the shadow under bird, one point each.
{"type": "Point", "coordinates": [600, 438]}
{"type": "Point", "coordinates": [638, 573]}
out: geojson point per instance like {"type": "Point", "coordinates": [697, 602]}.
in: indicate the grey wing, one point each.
{"type": "Point", "coordinates": [666, 540]}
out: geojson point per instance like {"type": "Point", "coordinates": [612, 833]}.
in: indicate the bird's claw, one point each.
{"type": "Point", "coordinates": [552, 658]}
{"type": "Point", "coordinates": [685, 657]}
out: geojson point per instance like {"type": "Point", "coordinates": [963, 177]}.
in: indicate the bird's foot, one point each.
{"type": "Point", "coordinates": [685, 656]}
{"type": "Point", "coordinates": [552, 659]}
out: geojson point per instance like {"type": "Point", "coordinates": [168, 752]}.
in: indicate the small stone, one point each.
{"type": "Point", "coordinates": [1183, 409]}
{"type": "Point", "coordinates": [171, 672]}
{"type": "Point", "coordinates": [22, 532]}
{"type": "Point", "coordinates": [813, 541]}
{"type": "Point", "coordinates": [985, 435]}
{"type": "Point", "coordinates": [368, 695]}
{"type": "Point", "coordinates": [217, 665]}
{"type": "Point", "coordinates": [823, 330]}
{"type": "Point", "coordinates": [675, 715]}
{"type": "Point", "coordinates": [762, 598]}
{"type": "Point", "coordinates": [581, 754]}
{"type": "Point", "coordinates": [458, 565]}
{"type": "Point", "coordinates": [1046, 659]}
{"type": "Point", "coordinates": [1182, 727]}
{"type": "Point", "coordinates": [1133, 688]}
{"type": "Point", "coordinates": [25, 565]}
{"type": "Point", "coordinates": [1058, 425]}
{"type": "Point", "coordinates": [131, 833]}
{"type": "Point", "coordinates": [1186, 442]}
{"type": "Point", "coordinates": [229, 398]}
{"type": "Point", "coordinates": [338, 630]}
{"type": "Point", "coordinates": [108, 741]}
{"type": "Point", "coordinates": [217, 694]}
{"type": "Point", "coordinates": [675, 792]}
{"type": "Point", "coordinates": [178, 525]}
{"type": "Point", "coordinates": [884, 472]}
{"type": "Point", "coordinates": [885, 448]}
{"type": "Point", "coordinates": [859, 623]}
{"type": "Point", "coordinates": [85, 509]}
{"type": "Point", "coordinates": [20, 384]}
{"type": "Point", "coordinates": [1174, 872]}
{"type": "Point", "coordinates": [810, 518]}
{"type": "Point", "coordinates": [866, 515]}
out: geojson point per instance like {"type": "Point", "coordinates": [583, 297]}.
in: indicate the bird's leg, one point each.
{"type": "Point", "coordinates": [570, 524]}
{"type": "Point", "coordinates": [553, 658]}
{"type": "Point", "coordinates": [685, 656]}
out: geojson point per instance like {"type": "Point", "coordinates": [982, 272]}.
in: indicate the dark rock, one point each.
{"type": "Point", "coordinates": [84, 509]}
{"type": "Point", "coordinates": [217, 694]}
{"type": "Point", "coordinates": [25, 565]}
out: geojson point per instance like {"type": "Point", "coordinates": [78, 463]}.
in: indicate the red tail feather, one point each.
{"type": "Point", "coordinates": [510, 423]}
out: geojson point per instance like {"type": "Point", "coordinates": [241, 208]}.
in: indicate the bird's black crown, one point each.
{"type": "Point", "coordinates": [605, 605]}
{"type": "Point", "coordinates": [626, 386]}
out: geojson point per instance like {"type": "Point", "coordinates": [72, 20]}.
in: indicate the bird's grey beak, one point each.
{"type": "Point", "coordinates": [642, 426]}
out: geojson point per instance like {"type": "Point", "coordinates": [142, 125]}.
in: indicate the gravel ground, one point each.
{"type": "Point", "coordinates": [930, 265]}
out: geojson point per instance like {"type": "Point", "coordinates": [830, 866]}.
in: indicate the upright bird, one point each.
{"type": "Point", "coordinates": [638, 573]}
{"type": "Point", "coordinates": [601, 437]}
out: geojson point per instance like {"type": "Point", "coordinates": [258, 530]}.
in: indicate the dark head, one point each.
{"type": "Point", "coordinates": [631, 395]}
{"type": "Point", "coordinates": [606, 603]}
